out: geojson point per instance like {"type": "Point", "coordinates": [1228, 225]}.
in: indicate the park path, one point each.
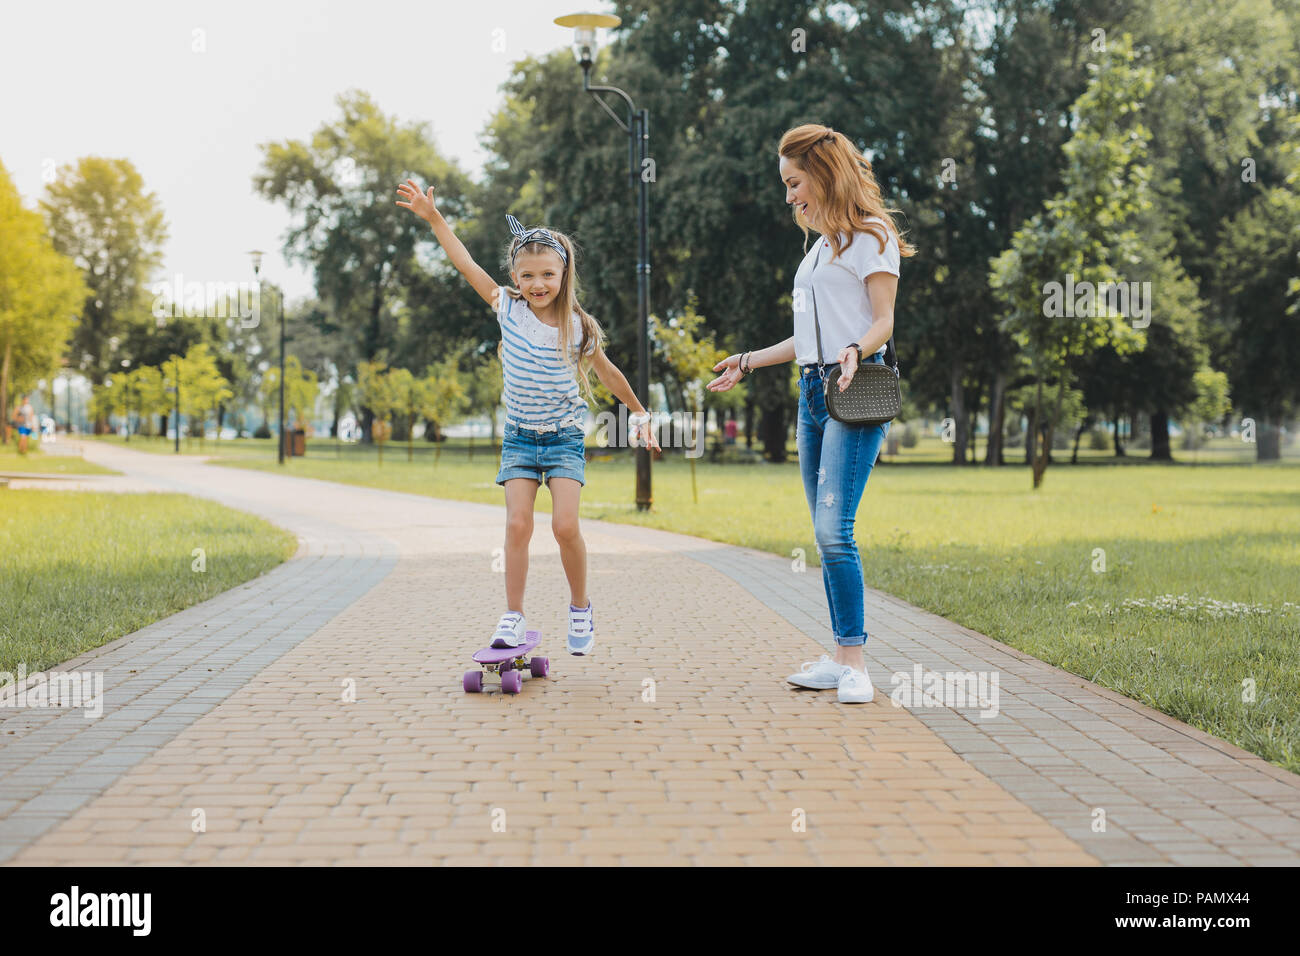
{"type": "Point", "coordinates": [315, 715]}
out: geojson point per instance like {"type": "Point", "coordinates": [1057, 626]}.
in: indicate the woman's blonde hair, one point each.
{"type": "Point", "coordinates": [843, 185]}
{"type": "Point", "coordinates": [567, 303]}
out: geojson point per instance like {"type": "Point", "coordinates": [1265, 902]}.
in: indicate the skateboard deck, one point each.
{"type": "Point", "coordinates": [510, 663]}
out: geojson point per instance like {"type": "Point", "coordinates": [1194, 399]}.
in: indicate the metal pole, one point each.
{"type": "Point", "coordinates": [641, 130]}
{"type": "Point", "coordinates": [280, 308]}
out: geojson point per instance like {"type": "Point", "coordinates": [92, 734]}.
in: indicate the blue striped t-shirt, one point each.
{"type": "Point", "coordinates": [538, 388]}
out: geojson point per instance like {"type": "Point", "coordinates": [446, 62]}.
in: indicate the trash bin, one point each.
{"type": "Point", "coordinates": [299, 441]}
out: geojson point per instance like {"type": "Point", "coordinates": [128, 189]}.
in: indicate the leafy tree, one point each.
{"type": "Point", "coordinates": [1084, 233]}
{"type": "Point", "coordinates": [40, 291]}
{"type": "Point", "coordinates": [349, 230]}
{"type": "Point", "coordinates": [99, 215]}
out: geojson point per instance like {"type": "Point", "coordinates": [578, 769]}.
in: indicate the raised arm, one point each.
{"type": "Point", "coordinates": [423, 206]}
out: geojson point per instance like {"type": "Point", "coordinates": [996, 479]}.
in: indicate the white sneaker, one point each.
{"type": "Point", "coordinates": [855, 687]}
{"type": "Point", "coordinates": [511, 630]}
{"type": "Point", "coordinates": [819, 675]}
{"type": "Point", "coordinates": [582, 630]}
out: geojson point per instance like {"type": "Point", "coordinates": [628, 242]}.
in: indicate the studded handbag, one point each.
{"type": "Point", "coordinates": [873, 396]}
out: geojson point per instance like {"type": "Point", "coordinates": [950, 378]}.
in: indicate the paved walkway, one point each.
{"type": "Point", "coordinates": [315, 715]}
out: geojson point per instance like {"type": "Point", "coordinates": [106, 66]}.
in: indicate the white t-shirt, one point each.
{"type": "Point", "coordinates": [843, 306]}
{"type": "Point", "coordinates": [538, 388]}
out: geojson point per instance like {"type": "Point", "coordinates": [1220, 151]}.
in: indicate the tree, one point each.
{"type": "Point", "coordinates": [349, 230]}
{"type": "Point", "coordinates": [374, 391]}
{"type": "Point", "coordinates": [40, 291]}
{"type": "Point", "coordinates": [99, 216]}
{"type": "Point", "coordinates": [1081, 240]}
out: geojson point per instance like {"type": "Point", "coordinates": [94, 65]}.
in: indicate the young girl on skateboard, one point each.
{"type": "Point", "coordinates": [548, 345]}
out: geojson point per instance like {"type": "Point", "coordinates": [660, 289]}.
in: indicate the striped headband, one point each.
{"type": "Point", "coordinates": [533, 235]}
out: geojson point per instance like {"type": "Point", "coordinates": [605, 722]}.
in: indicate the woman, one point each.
{"type": "Point", "coordinates": [851, 275]}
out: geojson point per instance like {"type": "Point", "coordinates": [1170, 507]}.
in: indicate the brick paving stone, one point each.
{"type": "Point", "coordinates": [715, 771]}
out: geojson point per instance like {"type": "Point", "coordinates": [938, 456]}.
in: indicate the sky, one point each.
{"type": "Point", "coordinates": [188, 90]}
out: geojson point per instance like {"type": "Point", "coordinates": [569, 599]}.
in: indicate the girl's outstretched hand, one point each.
{"type": "Point", "coordinates": [729, 377]}
{"type": "Point", "coordinates": [418, 202]}
{"type": "Point", "coordinates": [647, 436]}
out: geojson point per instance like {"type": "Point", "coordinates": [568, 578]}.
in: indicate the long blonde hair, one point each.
{"type": "Point", "coordinates": [567, 302]}
{"type": "Point", "coordinates": [844, 186]}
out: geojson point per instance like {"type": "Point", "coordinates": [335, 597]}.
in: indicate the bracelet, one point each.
{"type": "Point", "coordinates": [741, 364]}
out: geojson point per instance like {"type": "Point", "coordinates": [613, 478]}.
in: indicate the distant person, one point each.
{"type": "Point", "coordinates": [548, 345]}
{"type": "Point", "coordinates": [730, 430]}
{"type": "Point", "coordinates": [26, 422]}
{"type": "Point", "coordinates": [853, 271]}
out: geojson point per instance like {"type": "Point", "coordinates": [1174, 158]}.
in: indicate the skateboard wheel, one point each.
{"type": "Point", "coordinates": [540, 666]}
{"type": "Point", "coordinates": [512, 682]}
{"type": "Point", "coordinates": [473, 682]}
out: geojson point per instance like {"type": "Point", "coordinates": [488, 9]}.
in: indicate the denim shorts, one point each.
{"type": "Point", "coordinates": [543, 455]}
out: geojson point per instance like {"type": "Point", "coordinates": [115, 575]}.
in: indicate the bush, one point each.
{"type": "Point", "coordinates": [263, 431]}
{"type": "Point", "coordinates": [909, 437]}
{"type": "Point", "coordinates": [1098, 439]}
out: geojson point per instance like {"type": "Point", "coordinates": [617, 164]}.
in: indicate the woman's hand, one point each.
{"type": "Point", "coordinates": [729, 377]}
{"type": "Point", "coordinates": [418, 202]}
{"type": "Point", "coordinates": [848, 359]}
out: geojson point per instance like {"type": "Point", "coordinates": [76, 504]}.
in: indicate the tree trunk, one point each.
{"type": "Point", "coordinates": [997, 421]}
{"type": "Point", "coordinates": [1119, 447]}
{"type": "Point", "coordinates": [1160, 436]}
{"type": "Point", "coordinates": [774, 432]}
{"type": "Point", "coordinates": [1268, 438]}
{"type": "Point", "coordinates": [957, 401]}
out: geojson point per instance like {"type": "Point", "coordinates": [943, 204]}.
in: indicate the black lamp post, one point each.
{"type": "Point", "coordinates": [257, 271]}
{"type": "Point", "coordinates": [638, 129]}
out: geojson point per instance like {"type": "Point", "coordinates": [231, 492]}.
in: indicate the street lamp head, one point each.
{"type": "Point", "coordinates": [584, 32]}
{"type": "Point", "coordinates": [257, 260]}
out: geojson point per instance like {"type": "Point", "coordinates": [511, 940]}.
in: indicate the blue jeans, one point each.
{"type": "Point", "coordinates": [835, 461]}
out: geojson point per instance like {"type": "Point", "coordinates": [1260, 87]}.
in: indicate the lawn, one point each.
{"type": "Point", "coordinates": [1195, 608]}
{"type": "Point", "coordinates": [84, 568]}
{"type": "Point", "coordinates": [43, 461]}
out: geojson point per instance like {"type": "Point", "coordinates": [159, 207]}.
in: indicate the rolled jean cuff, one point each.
{"type": "Point", "coordinates": [851, 641]}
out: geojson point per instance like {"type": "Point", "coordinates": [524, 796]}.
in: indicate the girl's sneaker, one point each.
{"type": "Point", "coordinates": [819, 675]}
{"type": "Point", "coordinates": [511, 630]}
{"type": "Point", "coordinates": [855, 687]}
{"type": "Point", "coordinates": [582, 631]}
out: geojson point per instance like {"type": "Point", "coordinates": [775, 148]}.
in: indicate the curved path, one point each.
{"type": "Point", "coordinates": [315, 715]}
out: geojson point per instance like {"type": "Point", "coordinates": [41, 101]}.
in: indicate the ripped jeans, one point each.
{"type": "Point", "coordinates": [835, 461]}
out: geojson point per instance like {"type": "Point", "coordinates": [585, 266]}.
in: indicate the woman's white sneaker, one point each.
{"type": "Point", "coordinates": [855, 687]}
{"type": "Point", "coordinates": [819, 675]}
{"type": "Point", "coordinates": [511, 630]}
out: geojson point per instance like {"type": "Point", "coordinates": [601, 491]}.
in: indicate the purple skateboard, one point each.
{"type": "Point", "coordinates": [510, 663]}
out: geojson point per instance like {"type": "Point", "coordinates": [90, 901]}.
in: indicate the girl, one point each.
{"type": "Point", "coordinates": [545, 337]}
{"type": "Point", "coordinates": [853, 270]}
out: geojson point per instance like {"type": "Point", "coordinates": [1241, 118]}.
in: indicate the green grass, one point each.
{"type": "Point", "coordinates": [980, 547]}
{"type": "Point", "coordinates": [84, 568]}
{"type": "Point", "coordinates": [38, 461]}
